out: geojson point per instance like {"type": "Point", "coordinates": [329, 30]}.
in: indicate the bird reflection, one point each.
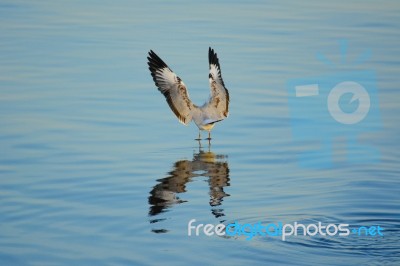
{"type": "Point", "coordinates": [165, 193]}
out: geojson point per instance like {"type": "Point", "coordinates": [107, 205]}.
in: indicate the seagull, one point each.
{"type": "Point", "coordinates": [174, 90]}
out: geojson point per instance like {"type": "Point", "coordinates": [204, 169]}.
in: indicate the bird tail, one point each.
{"type": "Point", "coordinates": [211, 121]}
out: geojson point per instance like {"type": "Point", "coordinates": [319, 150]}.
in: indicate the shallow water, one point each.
{"type": "Point", "coordinates": [95, 170]}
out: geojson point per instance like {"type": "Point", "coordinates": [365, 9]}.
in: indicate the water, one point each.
{"type": "Point", "coordinates": [95, 170]}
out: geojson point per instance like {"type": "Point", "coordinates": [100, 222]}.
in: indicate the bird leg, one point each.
{"type": "Point", "coordinates": [209, 135]}
{"type": "Point", "coordinates": [199, 138]}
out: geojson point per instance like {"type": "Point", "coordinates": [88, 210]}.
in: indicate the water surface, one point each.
{"type": "Point", "coordinates": [96, 170]}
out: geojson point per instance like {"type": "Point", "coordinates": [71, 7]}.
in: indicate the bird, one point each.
{"type": "Point", "coordinates": [214, 110]}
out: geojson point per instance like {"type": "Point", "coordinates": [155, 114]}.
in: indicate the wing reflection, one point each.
{"type": "Point", "coordinates": [165, 193]}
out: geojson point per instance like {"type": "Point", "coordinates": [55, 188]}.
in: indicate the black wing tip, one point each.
{"type": "Point", "coordinates": [212, 57]}
{"type": "Point", "coordinates": [155, 62]}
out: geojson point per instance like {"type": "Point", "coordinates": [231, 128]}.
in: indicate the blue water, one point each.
{"type": "Point", "coordinates": [96, 170]}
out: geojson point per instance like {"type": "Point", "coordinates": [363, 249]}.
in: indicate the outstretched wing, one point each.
{"type": "Point", "coordinates": [172, 87]}
{"type": "Point", "coordinates": [219, 100]}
